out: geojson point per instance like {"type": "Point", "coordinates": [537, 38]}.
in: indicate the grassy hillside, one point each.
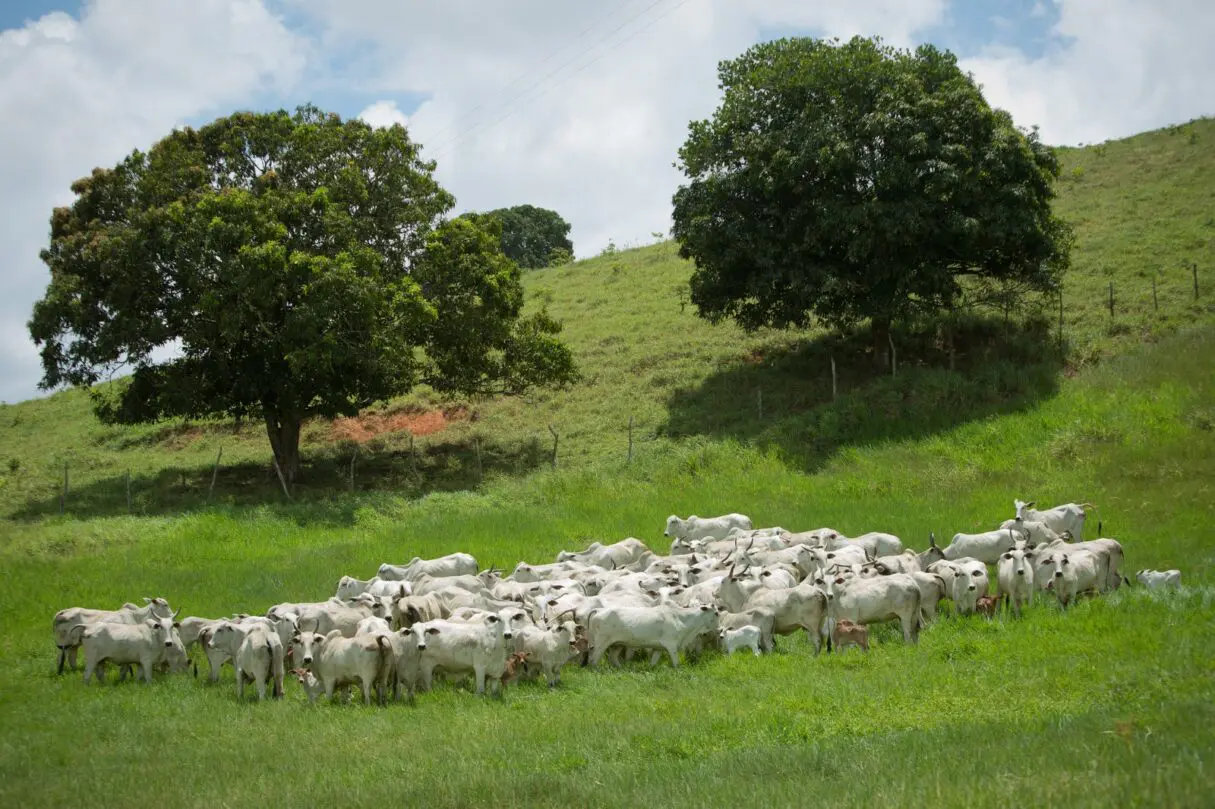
{"type": "Point", "coordinates": [1142, 208]}
{"type": "Point", "coordinates": [1108, 704]}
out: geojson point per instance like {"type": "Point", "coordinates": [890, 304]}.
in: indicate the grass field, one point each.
{"type": "Point", "coordinates": [1107, 705]}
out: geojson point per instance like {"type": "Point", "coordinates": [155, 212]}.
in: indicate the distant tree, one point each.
{"type": "Point", "coordinates": [559, 256]}
{"type": "Point", "coordinates": [300, 263]}
{"type": "Point", "coordinates": [850, 181]}
{"type": "Point", "coordinates": [530, 234]}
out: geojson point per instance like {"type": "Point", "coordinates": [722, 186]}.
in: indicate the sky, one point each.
{"type": "Point", "coordinates": [576, 106]}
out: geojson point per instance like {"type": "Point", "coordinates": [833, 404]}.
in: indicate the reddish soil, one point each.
{"type": "Point", "coordinates": [418, 422]}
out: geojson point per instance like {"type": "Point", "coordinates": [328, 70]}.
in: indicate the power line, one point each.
{"type": "Point", "coordinates": [446, 146]}
{"type": "Point", "coordinates": [462, 116]}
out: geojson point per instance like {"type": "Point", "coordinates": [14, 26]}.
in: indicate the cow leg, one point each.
{"type": "Point", "coordinates": [596, 652]}
{"type": "Point", "coordinates": [62, 659]}
{"type": "Point", "coordinates": [673, 651]}
{"type": "Point", "coordinates": [479, 676]}
{"type": "Point", "coordinates": [368, 683]}
{"type": "Point", "coordinates": [655, 656]}
{"type": "Point", "coordinates": [815, 639]}
{"type": "Point", "coordinates": [908, 622]}
{"type": "Point", "coordinates": [147, 665]}
{"type": "Point", "coordinates": [72, 656]}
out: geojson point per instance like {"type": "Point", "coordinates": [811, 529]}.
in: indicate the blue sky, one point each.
{"type": "Point", "coordinates": [595, 140]}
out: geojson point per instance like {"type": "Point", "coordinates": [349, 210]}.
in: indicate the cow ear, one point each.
{"type": "Point", "coordinates": [177, 624]}
{"type": "Point", "coordinates": [318, 638]}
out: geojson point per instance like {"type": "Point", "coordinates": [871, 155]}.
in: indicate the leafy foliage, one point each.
{"type": "Point", "coordinates": [300, 264]}
{"type": "Point", "coordinates": [533, 237]}
{"type": "Point", "coordinates": [844, 181]}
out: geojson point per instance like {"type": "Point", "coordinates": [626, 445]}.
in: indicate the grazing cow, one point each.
{"type": "Point", "coordinates": [257, 655]}
{"type": "Point", "coordinates": [454, 564]}
{"type": "Point", "coordinates": [970, 583]}
{"type": "Point", "coordinates": [477, 648]}
{"type": "Point", "coordinates": [743, 637]}
{"type": "Point", "coordinates": [874, 543]}
{"type": "Point", "coordinates": [1015, 578]}
{"type": "Point", "coordinates": [349, 587]}
{"type": "Point", "coordinates": [864, 601]}
{"type": "Point", "coordinates": [844, 556]}
{"type": "Point", "coordinates": [846, 633]}
{"type": "Point", "coordinates": [411, 610]}
{"type": "Point", "coordinates": [339, 662]}
{"type": "Point", "coordinates": [67, 620]}
{"type": "Point", "coordinates": [1068, 517]}
{"type": "Point", "coordinates": [622, 554]}
{"type": "Point", "coordinates": [906, 562]}
{"type": "Point", "coordinates": [1068, 574]}
{"type": "Point", "coordinates": [986, 547]}
{"type": "Point", "coordinates": [425, 583]}
{"type": "Point", "coordinates": [147, 644]}
{"type": "Point", "coordinates": [705, 527]}
{"type": "Point", "coordinates": [1159, 578]}
{"type": "Point", "coordinates": [666, 628]}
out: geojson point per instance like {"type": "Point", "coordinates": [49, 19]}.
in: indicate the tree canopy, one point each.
{"type": "Point", "coordinates": [299, 264]}
{"type": "Point", "coordinates": [844, 181]}
{"type": "Point", "coordinates": [533, 237]}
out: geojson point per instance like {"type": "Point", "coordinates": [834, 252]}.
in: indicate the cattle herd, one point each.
{"type": "Point", "coordinates": [723, 583]}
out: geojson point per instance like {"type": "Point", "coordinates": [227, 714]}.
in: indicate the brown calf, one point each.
{"type": "Point", "coordinates": [846, 633]}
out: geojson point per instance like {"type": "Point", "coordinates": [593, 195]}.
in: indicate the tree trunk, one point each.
{"type": "Point", "coordinates": [881, 341]}
{"type": "Point", "coordinates": [284, 433]}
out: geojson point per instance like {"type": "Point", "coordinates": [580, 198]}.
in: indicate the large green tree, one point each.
{"type": "Point", "coordinates": [530, 235]}
{"type": "Point", "coordinates": [844, 181]}
{"type": "Point", "coordinates": [298, 263]}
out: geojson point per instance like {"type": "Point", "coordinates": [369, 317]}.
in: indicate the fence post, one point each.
{"type": "Point", "coordinates": [354, 455]}
{"type": "Point", "coordinates": [630, 439]}
{"type": "Point", "coordinates": [413, 458]}
{"type": "Point", "coordinates": [282, 480]}
{"type": "Point", "coordinates": [477, 448]}
{"type": "Point", "coordinates": [63, 497]}
{"type": "Point", "coordinates": [894, 361]}
{"type": "Point", "coordinates": [1194, 269]}
{"type": "Point", "coordinates": [128, 491]}
{"type": "Point", "coordinates": [834, 389]}
{"type": "Point", "coordinates": [1155, 303]}
{"type": "Point", "coordinates": [1111, 300]}
{"type": "Point", "coordinates": [555, 438]}
{"type": "Point", "coordinates": [1060, 320]}
{"type": "Point", "coordinates": [215, 472]}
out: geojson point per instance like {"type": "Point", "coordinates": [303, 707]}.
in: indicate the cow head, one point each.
{"type": "Point", "coordinates": [674, 527]}
{"type": "Point", "coordinates": [305, 646]}
{"type": "Point", "coordinates": [1022, 508]}
{"type": "Point", "coordinates": [422, 634]}
{"type": "Point", "coordinates": [1019, 562]}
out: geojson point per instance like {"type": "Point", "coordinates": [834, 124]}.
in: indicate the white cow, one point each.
{"type": "Point", "coordinates": [67, 620]}
{"type": "Point", "coordinates": [932, 590]}
{"type": "Point", "coordinates": [970, 584]}
{"type": "Point", "coordinates": [547, 650]}
{"type": "Point", "coordinates": [986, 547]}
{"type": "Point", "coordinates": [625, 553]}
{"type": "Point", "coordinates": [1068, 517]}
{"type": "Point", "coordinates": [668, 628]}
{"type": "Point", "coordinates": [744, 637]}
{"type": "Point", "coordinates": [1068, 574]}
{"type": "Point", "coordinates": [339, 662]}
{"type": "Point", "coordinates": [705, 527]}
{"type": "Point", "coordinates": [453, 564]}
{"type": "Point", "coordinates": [865, 601]}
{"type": "Point", "coordinates": [1108, 552]}
{"type": "Point", "coordinates": [477, 648]}
{"type": "Point", "coordinates": [874, 543]}
{"type": "Point", "coordinates": [349, 587]}
{"type": "Point", "coordinates": [257, 655]}
{"type": "Point", "coordinates": [1015, 578]}
{"type": "Point", "coordinates": [1159, 578]}
{"type": "Point", "coordinates": [800, 607]}
{"type": "Point", "coordinates": [147, 644]}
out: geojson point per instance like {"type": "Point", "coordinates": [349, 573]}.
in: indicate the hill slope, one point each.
{"type": "Point", "coordinates": [1142, 208]}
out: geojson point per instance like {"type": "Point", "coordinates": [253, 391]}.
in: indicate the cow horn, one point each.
{"type": "Point", "coordinates": [178, 610]}
{"type": "Point", "coordinates": [932, 539]}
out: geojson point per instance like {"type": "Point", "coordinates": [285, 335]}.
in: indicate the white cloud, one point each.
{"type": "Point", "coordinates": [81, 92]}
{"type": "Point", "coordinates": [383, 114]}
{"type": "Point", "coordinates": [594, 140]}
{"type": "Point", "coordinates": [1115, 68]}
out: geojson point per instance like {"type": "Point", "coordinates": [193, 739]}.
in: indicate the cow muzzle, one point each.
{"type": "Point", "coordinates": [971, 588]}
{"type": "Point", "coordinates": [1058, 574]}
{"type": "Point", "coordinates": [1020, 572]}
{"type": "Point", "coordinates": [307, 659]}
{"type": "Point", "coordinates": [168, 643]}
